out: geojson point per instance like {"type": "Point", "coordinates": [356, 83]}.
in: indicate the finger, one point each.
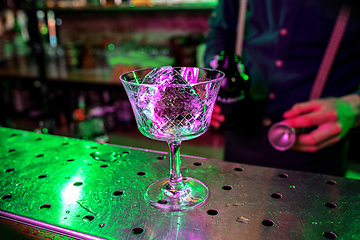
{"type": "Point", "coordinates": [215, 124]}
{"type": "Point", "coordinates": [319, 135]}
{"type": "Point", "coordinates": [217, 109]}
{"type": "Point", "coordinates": [312, 119]}
{"type": "Point", "coordinates": [218, 117]}
{"type": "Point", "coordinates": [307, 148]}
{"type": "Point", "coordinates": [300, 108]}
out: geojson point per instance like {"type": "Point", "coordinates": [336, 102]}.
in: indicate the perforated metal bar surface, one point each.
{"type": "Point", "coordinates": [88, 190]}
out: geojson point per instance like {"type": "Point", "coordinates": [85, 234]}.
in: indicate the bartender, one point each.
{"type": "Point", "coordinates": [284, 43]}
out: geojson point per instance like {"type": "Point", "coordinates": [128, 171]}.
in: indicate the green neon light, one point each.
{"type": "Point", "coordinates": [244, 76]}
{"type": "Point", "coordinates": [111, 47]}
{"type": "Point", "coordinates": [43, 30]}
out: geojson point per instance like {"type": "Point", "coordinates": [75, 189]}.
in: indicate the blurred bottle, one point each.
{"type": "Point", "coordinates": [71, 56]}
{"type": "Point", "coordinates": [51, 60]}
{"type": "Point", "coordinates": [40, 3]}
{"type": "Point", "coordinates": [110, 3]}
{"type": "Point", "coordinates": [70, 3]}
{"type": "Point", "coordinates": [234, 88]}
{"type": "Point", "coordinates": [141, 3]}
{"type": "Point", "coordinates": [20, 40]}
{"type": "Point", "coordinates": [51, 3]}
{"type": "Point", "coordinates": [87, 55]}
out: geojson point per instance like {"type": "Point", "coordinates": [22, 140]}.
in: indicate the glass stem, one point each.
{"type": "Point", "coordinates": [176, 180]}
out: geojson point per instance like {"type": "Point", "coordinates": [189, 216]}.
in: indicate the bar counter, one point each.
{"type": "Point", "coordinates": [61, 188]}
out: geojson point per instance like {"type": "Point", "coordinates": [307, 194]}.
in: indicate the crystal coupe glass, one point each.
{"type": "Point", "coordinates": [173, 108]}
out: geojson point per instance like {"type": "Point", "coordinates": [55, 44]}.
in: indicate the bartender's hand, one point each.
{"type": "Point", "coordinates": [217, 118]}
{"type": "Point", "coordinates": [334, 117]}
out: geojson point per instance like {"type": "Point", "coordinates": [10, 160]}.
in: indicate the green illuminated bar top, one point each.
{"type": "Point", "coordinates": [87, 190]}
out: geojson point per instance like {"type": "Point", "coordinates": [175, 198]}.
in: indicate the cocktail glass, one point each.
{"type": "Point", "coordinates": [174, 112]}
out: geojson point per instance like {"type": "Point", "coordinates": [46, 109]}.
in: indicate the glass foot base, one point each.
{"type": "Point", "coordinates": [194, 195]}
